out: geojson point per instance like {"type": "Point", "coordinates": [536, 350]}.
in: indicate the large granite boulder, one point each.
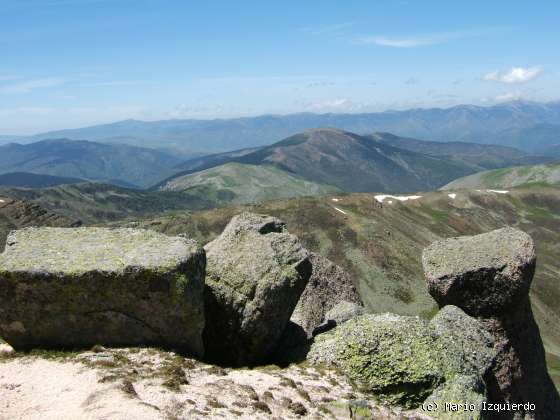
{"type": "Point", "coordinates": [77, 287]}
{"type": "Point", "coordinates": [405, 360]}
{"type": "Point", "coordinates": [489, 276]}
{"type": "Point", "coordinates": [256, 273]}
{"type": "Point", "coordinates": [484, 274]}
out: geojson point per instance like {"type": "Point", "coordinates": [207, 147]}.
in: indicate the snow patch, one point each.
{"type": "Point", "coordinates": [382, 197]}
{"type": "Point", "coordinates": [337, 209]}
{"type": "Point", "coordinates": [452, 196]}
{"type": "Point", "coordinates": [390, 201]}
{"type": "Point", "coordinates": [336, 200]}
{"type": "Point", "coordinates": [2, 201]}
{"type": "Point", "coordinates": [498, 191]}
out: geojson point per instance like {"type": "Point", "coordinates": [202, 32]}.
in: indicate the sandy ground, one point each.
{"type": "Point", "coordinates": [152, 384]}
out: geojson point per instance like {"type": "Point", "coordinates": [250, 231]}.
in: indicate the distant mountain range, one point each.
{"type": "Point", "coordinates": [114, 163]}
{"type": "Point", "coordinates": [548, 174]}
{"type": "Point", "coordinates": [312, 162]}
{"type": "Point", "coordinates": [329, 157]}
{"type": "Point", "coordinates": [480, 156]}
{"type": "Point", "coordinates": [528, 125]}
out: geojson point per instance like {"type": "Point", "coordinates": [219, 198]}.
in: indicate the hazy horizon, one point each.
{"type": "Point", "coordinates": [286, 114]}
{"type": "Point", "coordinates": [78, 63]}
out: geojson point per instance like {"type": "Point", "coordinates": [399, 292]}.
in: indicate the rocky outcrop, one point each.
{"type": "Point", "coordinates": [256, 273]}
{"type": "Point", "coordinates": [405, 360]}
{"type": "Point", "coordinates": [489, 277]}
{"type": "Point", "coordinates": [77, 287]}
{"type": "Point", "coordinates": [329, 285]}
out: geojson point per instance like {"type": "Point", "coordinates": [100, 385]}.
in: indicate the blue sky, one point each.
{"type": "Point", "coordinates": [70, 63]}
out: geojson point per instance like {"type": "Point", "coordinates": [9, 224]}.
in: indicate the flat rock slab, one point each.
{"type": "Point", "coordinates": [74, 288]}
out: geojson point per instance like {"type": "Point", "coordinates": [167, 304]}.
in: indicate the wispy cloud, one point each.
{"type": "Point", "coordinates": [332, 29]}
{"type": "Point", "coordinates": [514, 75]}
{"type": "Point", "coordinates": [508, 97]}
{"type": "Point", "coordinates": [116, 83]}
{"type": "Point", "coordinates": [424, 40]}
{"type": "Point", "coordinates": [334, 105]}
{"type": "Point", "coordinates": [31, 85]}
{"type": "Point", "coordinates": [411, 81]}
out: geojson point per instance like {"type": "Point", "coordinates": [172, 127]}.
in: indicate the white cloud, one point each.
{"type": "Point", "coordinates": [403, 42]}
{"type": "Point", "coordinates": [30, 85]}
{"type": "Point", "coordinates": [508, 97]}
{"type": "Point", "coordinates": [334, 105]}
{"type": "Point", "coordinates": [426, 39]}
{"type": "Point", "coordinates": [514, 75]}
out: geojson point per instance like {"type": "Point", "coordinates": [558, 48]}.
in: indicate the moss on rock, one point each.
{"type": "Point", "coordinates": [403, 360]}
{"type": "Point", "coordinates": [75, 288]}
{"type": "Point", "coordinates": [255, 276]}
{"type": "Point", "coordinates": [391, 356]}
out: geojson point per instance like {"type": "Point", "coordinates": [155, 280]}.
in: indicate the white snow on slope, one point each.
{"type": "Point", "coordinates": [337, 209]}
{"type": "Point", "coordinates": [335, 200]}
{"type": "Point", "coordinates": [382, 197]}
{"type": "Point", "coordinates": [498, 191]}
{"type": "Point", "coordinates": [452, 196]}
{"type": "Point", "coordinates": [2, 201]}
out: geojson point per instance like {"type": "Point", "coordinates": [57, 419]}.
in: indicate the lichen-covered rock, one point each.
{"type": "Point", "coordinates": [467, 348]}
{"type": "Point", "coordinates": [329, 284]}
{"type": "Point", "coordinates": [489, 276]}
{"type": "Point", "coordinates": [256, 273]}
{"type": "Point", "coordinates": [403, 360]}
{"type": "Point", "coordinates": [460, 398]}
{"type": "Point", "coordinates": [467, 354]}
{"type": "Point", "coordinates": [339, 314]}
{"type": "Point", "coordinates": [483, 274]}
{"type": "Point", "coordinates": [394, 357]}
{"type": "Point", "coordinates": [77, 287]}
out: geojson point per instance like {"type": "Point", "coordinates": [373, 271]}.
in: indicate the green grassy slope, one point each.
{"type": "Point", "coordinates": [240, 183]}
{"type": "Point", "coordinates": [381, 245]}
{"type": "Point", "coordinates": [17, 214]}
{"type": "Point", "coordinates": [510, 177]}
{"type": "Point", "coordinates": [96, 202]}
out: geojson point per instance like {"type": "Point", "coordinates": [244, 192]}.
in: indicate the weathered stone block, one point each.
{"type": "Point", "coordinates": [77, 287]}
